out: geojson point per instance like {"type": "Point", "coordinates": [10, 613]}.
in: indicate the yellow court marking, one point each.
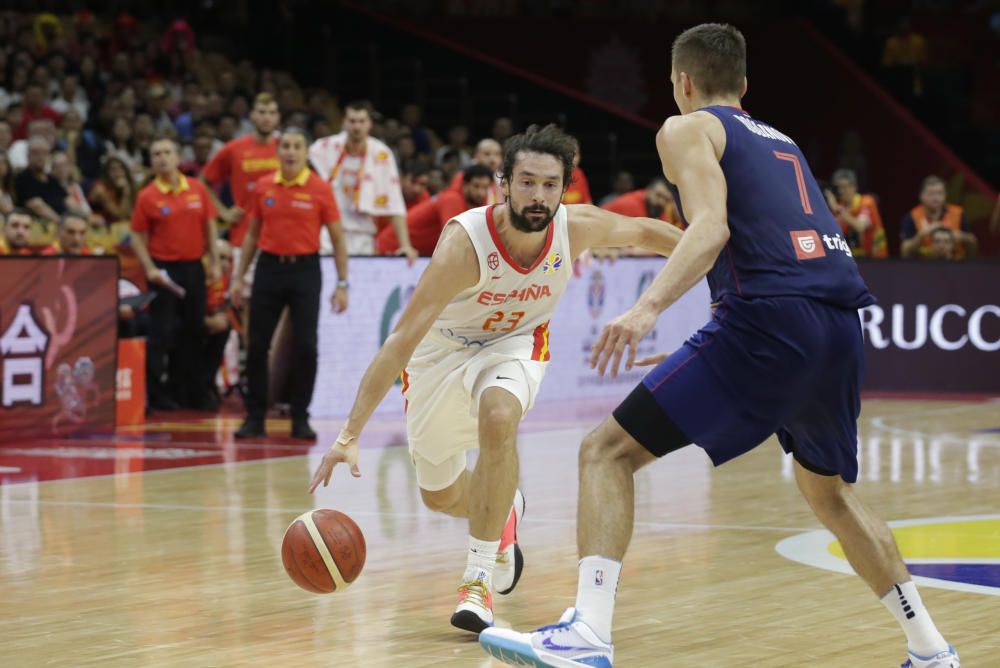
{"type": "Point", "coordinates": [946, 540]}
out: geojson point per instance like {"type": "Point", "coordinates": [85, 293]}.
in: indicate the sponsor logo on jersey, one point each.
{"type": "Point", "coordinates": [531, 293]}
{"type": "Point", "coordinates": [807, 244]}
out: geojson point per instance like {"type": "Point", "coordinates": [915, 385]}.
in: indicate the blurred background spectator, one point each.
{"type": "Point", "coordinates": [857, 215]}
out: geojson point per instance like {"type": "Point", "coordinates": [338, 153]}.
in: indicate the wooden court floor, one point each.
{"type": "Point", "coordinates": [181, 566]}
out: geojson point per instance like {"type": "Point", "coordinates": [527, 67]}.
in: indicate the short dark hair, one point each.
{"type": "Point", "coordinates": [476, 171]}
{"type": "Point", "coordinates": [360, 105]}
{"type": "Point", "coordinates": [19, 211]}
{"type": "Point", "coordinates": [714, 55]}
{"type": "Point", "coordinates": [63, 219]}
{"type": "Point", "coordinates": [932, 180]}
{"type": "Point", "coordinates": [293, 130]}
{"type": "Point", "coordinates": [844, 174]}
{"type": "Point", "coordinates": [548, 140]}
{"type": "Point", "coordinates": [164, 137]}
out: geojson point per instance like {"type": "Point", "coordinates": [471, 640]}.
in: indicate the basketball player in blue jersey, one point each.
{"type": "Point", "coordinates": [782, 354]}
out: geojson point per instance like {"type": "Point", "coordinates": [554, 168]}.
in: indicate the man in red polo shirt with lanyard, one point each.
{"type": "Point", "coordinates": [173, 226]}
{"type": "Point", "coordinates": [287, 213]}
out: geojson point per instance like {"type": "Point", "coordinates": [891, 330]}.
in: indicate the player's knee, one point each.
{"type": "Point", "coordinates": [440, 501]}
{"type": "Point", "coordinates": [598, 449]}
{"type": "Point", "coordinates": [499, 408]}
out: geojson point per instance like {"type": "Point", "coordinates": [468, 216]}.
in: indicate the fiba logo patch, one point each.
{"type": "Point", "coordinates": [493, 261]}
{"type": "Point", "coordinates": [552, 263]}
{"type": "Point", "coordinates": [164, 210]}
{"type": "Point", "coordinates": [807, 244]}
{"type": "Point", "coordinates": [269, 201]}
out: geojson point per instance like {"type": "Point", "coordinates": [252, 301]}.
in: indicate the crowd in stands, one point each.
{"type": "Point", "coordinates": [82, 101]}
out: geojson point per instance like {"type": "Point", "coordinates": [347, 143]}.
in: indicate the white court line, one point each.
{"type": "Point", "coordinates": [879, 422]}
{"type": "Point", "coordinates": [181, 507]}
{"type": "Point", "coordinates": [10, 469]}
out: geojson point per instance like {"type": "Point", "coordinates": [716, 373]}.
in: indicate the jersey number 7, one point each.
{"type": "Point", "coordinates": [800, 180]}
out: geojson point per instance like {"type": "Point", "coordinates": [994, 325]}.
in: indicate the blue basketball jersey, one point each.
{"type": "Point", "coordinates": [784, 241]}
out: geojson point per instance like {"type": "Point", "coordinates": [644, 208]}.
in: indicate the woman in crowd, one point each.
{"type": "Point", "coordinates": [113, 196]}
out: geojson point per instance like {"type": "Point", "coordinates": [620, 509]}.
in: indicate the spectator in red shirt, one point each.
{"type": "Point", "coordinates": [578, 191]}
{"type": "Point", "coordinates": [218, 322]}
{"type": "Point", "coordinates": [425, 221]}
{"type": "Point", "coordinates": [489, 153]}
{"type": "Point", "coordinates": [202, 147]}
{"type": "Point", "coordinates": [16, 238]}
{"type": "Point", "coordinates": [33, 109]}
{"type": "Point", "coordinates": [243, 162]}
{"type": "Point", "coordinates": [653, 201]}
{"type": "Point", "coordinates": [72, 236]}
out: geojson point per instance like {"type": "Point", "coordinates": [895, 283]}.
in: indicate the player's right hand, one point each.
{"type": "Point", "coordinates": [623, 332]}
{"type": "Point", "coordinates": [344, 450]}
{"type": "Point", "coordinates": [652, 360]}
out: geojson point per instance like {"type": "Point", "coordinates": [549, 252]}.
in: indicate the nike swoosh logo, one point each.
{"type": "Point", "coordinates": [548, 644]}
{"type": "Point", "coordinates": [504, 378]}
{"type": "Point", "coordinates": [496, 277]}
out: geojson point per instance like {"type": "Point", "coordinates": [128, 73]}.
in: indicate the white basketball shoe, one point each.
{"type": "Point", "coordinates": [510, 560]}
{"type": "Point", "coordinates": [475, 604]}
{"type": "Point", "coordinates": [947, 659]}
{"type": "Point", "coordinates": [568, 644]}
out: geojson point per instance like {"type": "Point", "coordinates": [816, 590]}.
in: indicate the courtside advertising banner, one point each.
{"type": "Point", "coordinates": [936, 327]}
{"type": "Point", "coordinates": [381, 287]}
{"type": "Point", "coordinates": [58, 331]}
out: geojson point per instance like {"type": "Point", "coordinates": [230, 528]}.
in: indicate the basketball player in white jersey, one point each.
{"type": "Point", "coordinates": [474, 343]}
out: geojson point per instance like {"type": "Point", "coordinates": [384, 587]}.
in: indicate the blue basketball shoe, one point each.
{"type": "Point", "coordinates": [947, 659]}
{"type": "Point", "coordinates": [568, 644]}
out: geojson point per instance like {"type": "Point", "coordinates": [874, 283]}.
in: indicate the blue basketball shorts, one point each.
{"type": "Point", "coordinates": [790, 366]}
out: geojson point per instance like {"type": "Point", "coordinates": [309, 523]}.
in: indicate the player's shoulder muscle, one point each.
{"type": "Point", "coordinates": [455, 260]}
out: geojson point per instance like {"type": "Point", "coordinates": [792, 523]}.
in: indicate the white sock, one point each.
{"type": "Point", "coordinates": [482, 559]}
{"type": "Point", "coordinates": [595, 593]}
{"type": "Point", "coordinates": [922, 637]}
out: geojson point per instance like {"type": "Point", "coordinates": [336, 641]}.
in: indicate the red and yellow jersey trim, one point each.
{"type": "Point", "coordinates": [540, 351]}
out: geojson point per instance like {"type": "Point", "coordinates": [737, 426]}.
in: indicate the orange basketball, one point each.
{"type": "Point", "coordinates": [323, 551]}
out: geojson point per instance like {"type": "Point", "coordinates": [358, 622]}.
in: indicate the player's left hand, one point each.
{"type": "Point", "coordinates": [411, 254]}
{"type": "Point", "coordinates": [625, 331]}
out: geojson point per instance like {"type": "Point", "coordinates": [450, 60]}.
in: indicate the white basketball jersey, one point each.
{"type": "Point", "coordinates": [510, 301]}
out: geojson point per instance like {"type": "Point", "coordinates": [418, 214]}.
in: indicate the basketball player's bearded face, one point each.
{"type": "Point", "coordinates": [534, 191]}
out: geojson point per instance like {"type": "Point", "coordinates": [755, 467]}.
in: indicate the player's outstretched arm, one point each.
{"type": "Point", "coordinates": [453, 268]}
{"type": "Point", "coordinates": [690, 148]}
{"type": "Point", "coordinates": [593, 227]}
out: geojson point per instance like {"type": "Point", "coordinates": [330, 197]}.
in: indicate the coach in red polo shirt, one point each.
{"type": "Point", "coordinates": [173, 226]}
{"type": "Point", "coordinates": [287, 213]}
{"type": "Point", "coordinates": [242, 162]}
{"type": "Point", "coordinates": [426, 220]}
